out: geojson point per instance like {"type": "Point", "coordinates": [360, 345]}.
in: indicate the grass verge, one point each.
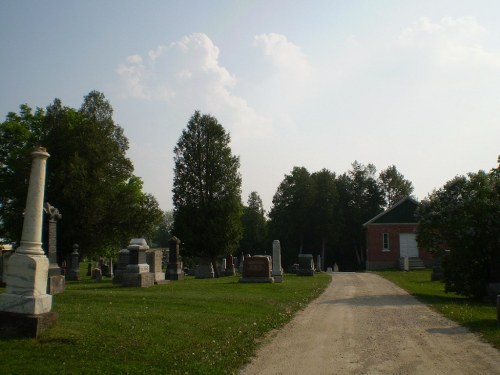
{"type": "Point", "coordinates": [183, 327]}
{"type": "Point", "coordinates": [479, 317]}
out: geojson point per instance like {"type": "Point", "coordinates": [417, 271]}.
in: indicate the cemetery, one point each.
{"type": "Point", "coordinates": [140, 309]}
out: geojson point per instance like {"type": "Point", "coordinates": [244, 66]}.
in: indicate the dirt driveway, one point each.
{"type": "Point", "coordinates": [363, 324]}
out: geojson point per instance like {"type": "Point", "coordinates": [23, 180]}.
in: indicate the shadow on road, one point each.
{"type": "Point", "coordinates": [380, 300]}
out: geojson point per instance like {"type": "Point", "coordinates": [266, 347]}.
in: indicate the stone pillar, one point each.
{"type": "Point", "coordinates": [277, 268]}
{"type": "Point", "coordinates": [318, 264]}
{"type": "Point", "coordinates": [174, 267]}
{"type": "Point", "coordinates": [56, 281]}
{"type": "Point", "coordinates": [154, 259]}
{"type": "Point", "coordinates": [27, 270]}
{"type": "Point", "coordinates": [74, 272]}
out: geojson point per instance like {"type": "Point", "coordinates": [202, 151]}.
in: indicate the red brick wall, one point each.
{"type": "Point", "coordinates": [376, 258]}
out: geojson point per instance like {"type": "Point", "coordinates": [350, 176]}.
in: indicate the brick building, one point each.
{"type": "Point", "coordinates": [391, 236]}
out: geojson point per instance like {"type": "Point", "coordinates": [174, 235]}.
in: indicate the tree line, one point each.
{"type": "Point", "coordinates": [318, 213]}
{"type": "Point", "coordinates": [89, 178]}
{"type": "Point", "coordinates": [91, 181]}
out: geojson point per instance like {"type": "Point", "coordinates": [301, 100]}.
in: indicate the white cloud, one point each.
{"type": "Point", "coordinates": [287, 57]}
{"type": "Point", "coordinates": [187, 75]}
{"type": "Point", "coordinates": [451, 41]}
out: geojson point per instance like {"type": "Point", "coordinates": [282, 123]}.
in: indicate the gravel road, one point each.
{"type": "Point", "coordinates": [364, 324]}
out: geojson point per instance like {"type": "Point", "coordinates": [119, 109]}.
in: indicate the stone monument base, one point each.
{"type": "Point", "coordinates": [118, 277]}
{"type": "Point", "coordinates": [17, 303]}
{"type": "Point", "coordinates": [55, 284]}
{"type": "Point", "coordinates": [140, 280]}
{"type": "Point", "coordinates": [257, 280]}
{"type": "Point", "coordinates": [160, 278]}
{"type": "Point", "coordinates": [278, 278]}
{"type": "Point", "coordinates": [13, 325]}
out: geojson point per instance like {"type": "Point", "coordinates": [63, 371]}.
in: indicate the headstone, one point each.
{"type": "Point", "coordinates": [55, 281]}
{"type": "Point", "coordinates": [318, 264]}
{"type": "Point", "coordinates": [306, 265]}
{"type": "Point", "coordinates": [230, 270]}
{"type": "Point", "coordinates": [74, 271]}
{"type": "Point", "coordinates": [257, 269]}
{"type": "Point", "coordinates": [277, 269]}
{"type": "Point", "coordinates": [174, 267]}
{"type": "Point", "coordinates": [329, 270]}
{"type": "Point", "coordinates": [335, 267]}
{"type": "Point", "coordinates": [121, 266]}
{"type": "Point", "coordinates": [204, 269]}
{"type": "Point", "coordinates": [242, 260]}
{"type": "Point", "coordinates": [154, 259]}
{"type": "Point", "coordinates": [25, 300]}
{"type": "Point", "coordinates": [137, 272]}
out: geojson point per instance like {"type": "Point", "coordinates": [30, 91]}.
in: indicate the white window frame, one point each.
{"type": "Point", "coordinates": [385, 242]}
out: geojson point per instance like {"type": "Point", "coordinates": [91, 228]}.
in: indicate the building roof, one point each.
{"type": "Point", "coordinates": [402, 212]}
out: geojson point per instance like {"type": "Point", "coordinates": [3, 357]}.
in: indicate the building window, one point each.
{"type": "Point", "coordinates": [385, 242]}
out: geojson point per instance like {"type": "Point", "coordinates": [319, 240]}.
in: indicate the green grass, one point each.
{"type": "Point", "coordinates": [183, 327]}
{"type": "Point", "coordinates": [479, 317]}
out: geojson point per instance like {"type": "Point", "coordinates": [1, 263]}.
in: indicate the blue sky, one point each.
{"type": "Point", "coordinates": [317, 84]}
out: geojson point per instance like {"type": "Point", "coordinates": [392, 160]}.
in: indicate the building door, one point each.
{"type": "Point", "coordinates": [408, 245]}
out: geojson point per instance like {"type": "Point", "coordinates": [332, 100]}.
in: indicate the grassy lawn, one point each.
{"type": "Point", "coordinates": [183, 327]}
{"type": "Point", "coordinates": [479, 317]}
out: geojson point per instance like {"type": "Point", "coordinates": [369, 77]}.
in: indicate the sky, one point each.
{"type": "Point", "coordinates": [315, 84]}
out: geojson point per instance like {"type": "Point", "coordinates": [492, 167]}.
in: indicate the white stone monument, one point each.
{"type": "Point", "coordinates": [27, 270]}
{"type": "Point", "coordinates": [25, 306]}
{"type": "Point", "coordinates": [277, 273]}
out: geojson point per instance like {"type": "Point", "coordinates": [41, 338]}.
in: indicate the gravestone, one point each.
{"type": "Point", "coordinates": [121, 266]}
{"type": "Point", "coordinates": [137, 272]}
{"type": "Point", "coordinates": [55, 281]}
{"type": "Point", "coordinates": [277, 269]}
{"type": "Point", "coordinates": [318, 263]}
{"type": "Point", "coordinates": [230, 270]}
{"type": "Point", "coordinates": [257, 269]}
{"type": "Point", "coordinates": [329, 270]}
{"type": "Point", "coordinates": [204, 269]}
{"type": "Point", "coordinates": [154, 259]}
{"type": "Point", "coordinates": [306, 265]}
{"type": "Point", "coordinates": [25, 307]}
{"type": "Point", "coordinates": [174, 266]}
{"type": "Point", "coordinates": [240, 267]}
{"type": "Point", "coordinates": [74, 271]}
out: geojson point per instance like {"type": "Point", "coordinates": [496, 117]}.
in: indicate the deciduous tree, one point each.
{"type": "Point", "coordinates": [207, 190]}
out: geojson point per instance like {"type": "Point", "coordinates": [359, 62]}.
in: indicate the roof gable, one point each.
{"type": "Point", "coordinates": [401, 212]}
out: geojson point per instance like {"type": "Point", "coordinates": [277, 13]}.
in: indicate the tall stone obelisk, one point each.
{"type": "Point", "coordinates": [27, 270]}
